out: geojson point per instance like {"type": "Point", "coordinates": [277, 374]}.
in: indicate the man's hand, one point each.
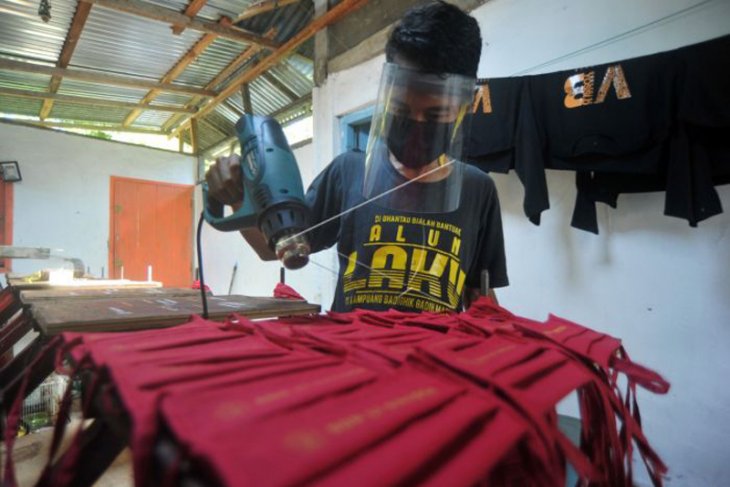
{"type": "Point", "coordinates": [224, 181]}
{"type": "Point", "coordinates": [225, 185]}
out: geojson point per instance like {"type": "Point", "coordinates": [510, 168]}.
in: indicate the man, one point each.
{"type": "Point", "coordinates": [415, 228]}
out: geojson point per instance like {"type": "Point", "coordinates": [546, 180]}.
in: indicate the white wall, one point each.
{"type": "Point", "coordinates": [63, 200]}
{"type": "Point", "coordinates": [662, 287]}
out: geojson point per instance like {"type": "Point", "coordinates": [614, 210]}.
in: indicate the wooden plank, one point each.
{"type": "Point", "coordinates": [263, 7]}
{"type": "Point", "coordinates": [80, 294]}
{"type": "Point", "coordinates": [74, 33]}
{"type": "Point", "coordinates": [94, 126]}
{"type": "Point", "coordinates": [103, 78]}
{"type": "Point", "coordinates": [162, 14]}
{"type": "Point", "coordinates": [81, 100]}
{"type": "Point", "coordinates": [190, 11]}
{"type": "Point", "coordinates": [69, 45]}
{"type": "Point", "coordinates": [17, 283]}
{"type": "Point", "coordinates": [144, 313]}
{"type": "Point", "coordinates": [336, 13]}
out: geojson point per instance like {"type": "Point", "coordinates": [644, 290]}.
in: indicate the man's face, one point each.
{"type": "Point", "coordinates": [421, 102]}
{"type": "Point", "coordinates": [421, 106]}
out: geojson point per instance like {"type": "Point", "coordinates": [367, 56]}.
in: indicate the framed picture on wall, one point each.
{"type": "Point", "coordinates": [10, 171]}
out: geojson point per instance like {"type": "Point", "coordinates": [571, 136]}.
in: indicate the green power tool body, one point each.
{"type": "Point", "coordinates": [273, 195]}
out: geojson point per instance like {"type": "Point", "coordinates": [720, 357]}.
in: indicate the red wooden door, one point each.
{"type": "Point", "coordinates": [151, 225]}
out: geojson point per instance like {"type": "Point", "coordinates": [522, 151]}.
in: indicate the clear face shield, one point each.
{"type": "Point", "coordinates": [416, 139]}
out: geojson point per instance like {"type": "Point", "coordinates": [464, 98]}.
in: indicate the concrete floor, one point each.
{"type": "Point", "coordinates": [31, 454]}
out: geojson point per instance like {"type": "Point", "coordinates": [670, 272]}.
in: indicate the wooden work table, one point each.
{"type": "Point", "coordinates": [51, 310]}
{"type": "Point", "coordinates": [54, 316]}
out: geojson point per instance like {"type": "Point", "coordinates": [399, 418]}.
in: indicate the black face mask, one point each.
{"type": "Point", "coordinates": [416, 144]}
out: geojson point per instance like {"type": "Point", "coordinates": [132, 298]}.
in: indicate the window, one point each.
{"type": "Point", "coordinates": [355, 129]}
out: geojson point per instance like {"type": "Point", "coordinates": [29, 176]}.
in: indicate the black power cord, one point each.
{"type": "Point", "coordinates": [201, 280]}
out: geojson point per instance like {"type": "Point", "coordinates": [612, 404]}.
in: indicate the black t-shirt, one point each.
{"type": "Point", "coordinates": [407, 260]}
{"type": "Point", "coordinates": [612, 117]}
{"type": "Point", "coordinates": [491, 141]}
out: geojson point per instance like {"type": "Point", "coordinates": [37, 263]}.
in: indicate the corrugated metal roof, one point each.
{"type": "Point", "coordinates": [117, 43]}
{"type": "Point", "coordinates": [18, 19]}
{"type": "Point", "coordinates": [151, 118]}
{"type": "Point", "coordinates": [218, 123]}
{"type": "Point", "coordinates": [211, 62]}
{"type": "Point", "coordinates": [172, 99]}
{"type": "Point", "coordinates": [20, 106]}
{"type": "Point", "coordinates": [96, 90]}
{"type": "Point", "coordinates": [227, 113]}
{"type": "Point", "coordinates": [212, 10]}
{"type": "Point", "coordinates": [296, 81]}
{"type": "Point", "coordinates": [88, 113]}
{"type": "Point", "coordinates": [295, 113]}
{"type": "Point", "coordinates": [230, 8]}
{"type": "Point", "coordinates": [120, 43]}
{"type": "Point", "coordinates": [24, 81]}
{"type": "Point", "coordinates": [287, 20]}
{"type": "Point", "coordinates": [266, 98]}
{"type": "Point", "coordinates": [213, 130]}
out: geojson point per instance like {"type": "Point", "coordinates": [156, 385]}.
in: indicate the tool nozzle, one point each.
{"type": "Point", "coordinates": [293, 252]}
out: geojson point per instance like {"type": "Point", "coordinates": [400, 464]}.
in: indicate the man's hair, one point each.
{"type": "Point", "coordinates": [437, 38]}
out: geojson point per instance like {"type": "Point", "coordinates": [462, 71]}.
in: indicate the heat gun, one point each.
{"type": "Point", "coordinates": [273, 195]}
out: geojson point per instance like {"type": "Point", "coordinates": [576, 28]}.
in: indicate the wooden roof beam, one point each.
{"type": "Point", "coordinates": [176, 71]}
{"type": "Point", "coordinates": [195, 138]}
{"type": "Point", "coordinates": [223, 75]}
{"type": "Point", "coordinates": [69, 45]}
{"type": "Point", "coordinates": [339, 11]}
{"type": "Point", "coordinates": [263, 7]}
{"type": "Point", "coordinates": [162, 14]}
{"type": "Point", "coordinates": [191, 11]}
{"type": "Point", "coordinates": [102, 78]}
{"type": "Point", "coordinates": [82, 100]}
{"type": "Point", "coordinates": [94, 126]}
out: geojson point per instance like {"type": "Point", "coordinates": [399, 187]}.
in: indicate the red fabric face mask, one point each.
{"type": "Point", "coordinates": [322, 436]}
{"type": "Point", "coordinates": [471, 397]}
